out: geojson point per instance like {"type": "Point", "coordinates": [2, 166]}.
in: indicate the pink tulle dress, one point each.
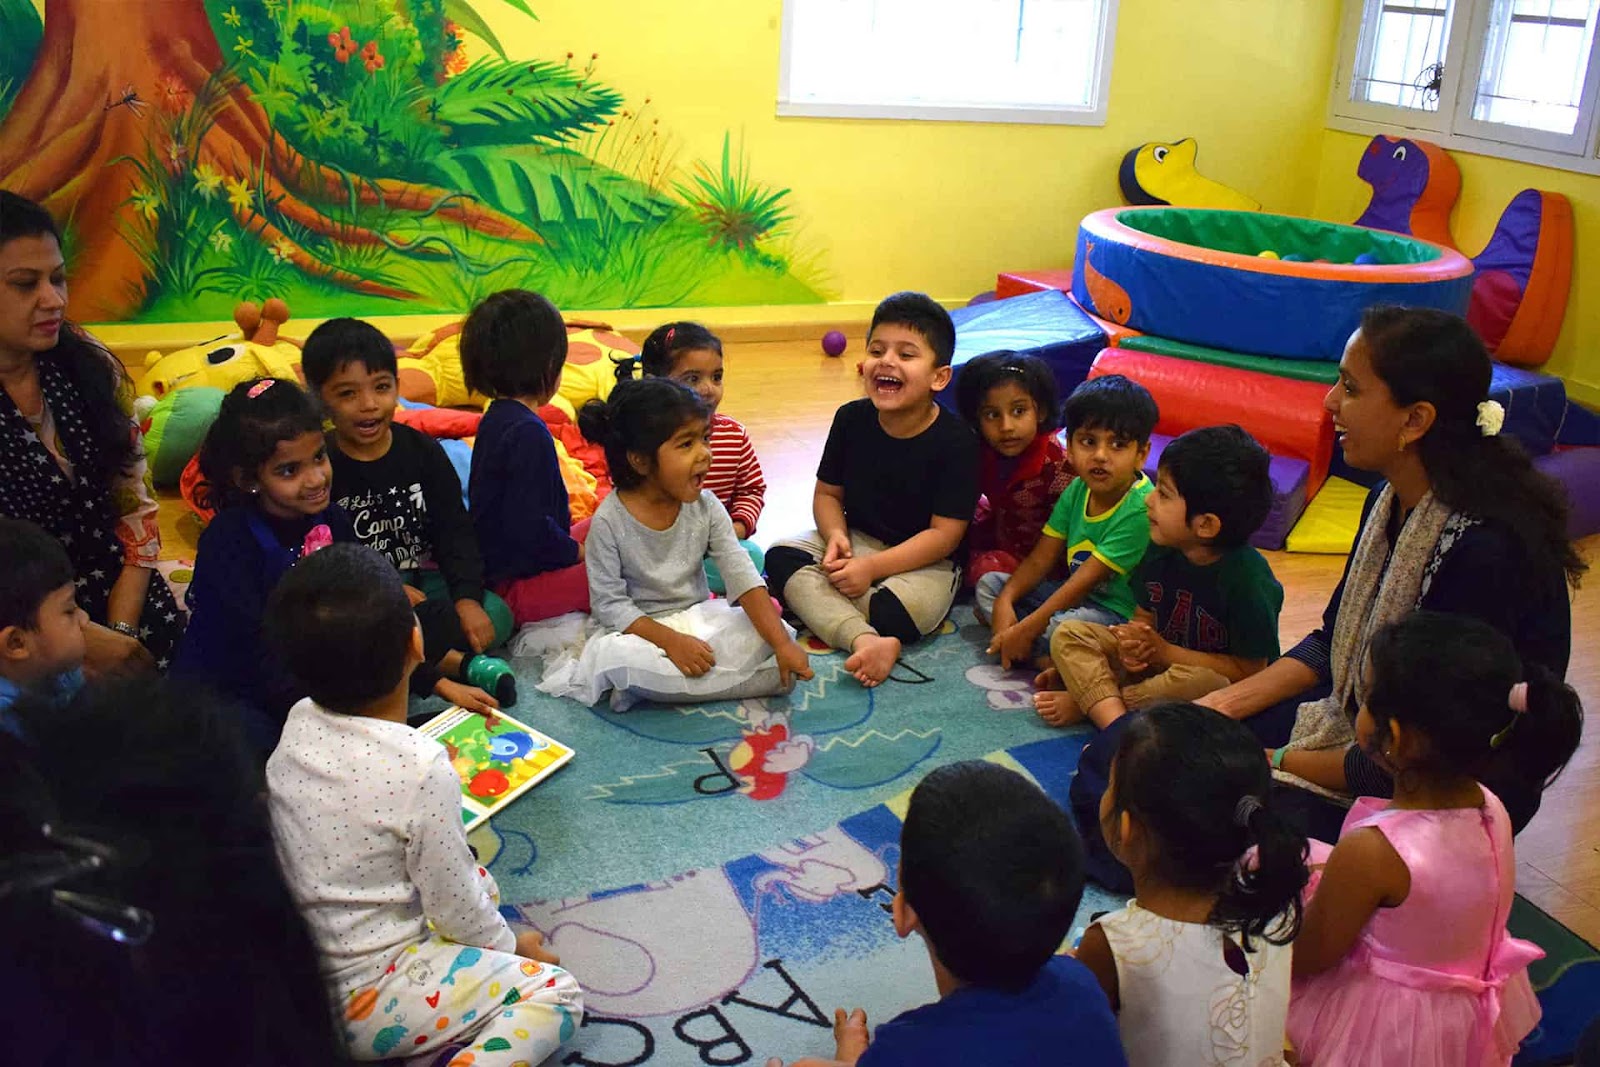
{"type": "Point", "coordinates": [1436, 981]}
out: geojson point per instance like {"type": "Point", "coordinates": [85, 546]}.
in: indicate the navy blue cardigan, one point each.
{"type": "Point", "coordinates": [241, 556]}
{"type": "Point", "coordinates": [517, 498]}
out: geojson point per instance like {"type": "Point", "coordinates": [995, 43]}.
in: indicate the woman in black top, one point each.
{"type": "Point", "coordinates": [71, 459]}
{"type": "Point", "coordinates": [1461, 522]}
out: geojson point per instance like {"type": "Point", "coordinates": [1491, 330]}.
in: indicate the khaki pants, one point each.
{"type": "Point", "coordinates": [1086, 655]}
{"type": "Point", "coordinates": [926, 593]}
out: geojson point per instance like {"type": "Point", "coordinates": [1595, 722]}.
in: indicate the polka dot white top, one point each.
{"type": "Point", "coordinates": [366, 815]}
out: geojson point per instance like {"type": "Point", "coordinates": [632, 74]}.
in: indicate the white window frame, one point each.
{"type": "Point", "coordinates": [1092, 114]}
{"type": "Point", "coordinates": [1452, 126]}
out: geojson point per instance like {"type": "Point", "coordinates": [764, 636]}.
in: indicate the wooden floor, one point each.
{"type": "Point", "coordinates": [785, 393]}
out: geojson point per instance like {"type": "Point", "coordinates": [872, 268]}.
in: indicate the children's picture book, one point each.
{"type": "Point", "coordinates": [497, 762]}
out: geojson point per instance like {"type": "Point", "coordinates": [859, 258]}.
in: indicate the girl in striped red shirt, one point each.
{"type": "Point", "coordinates": [689, 353]}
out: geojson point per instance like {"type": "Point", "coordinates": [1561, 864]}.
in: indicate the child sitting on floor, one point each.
{"type": "Point", "coordinates": [1208, 602]}
{"type": "Point", "coordinates": [266, 472]}
{"type": "Point", "coordinates": [404, 499]}
{"type": "Point", "coordinates": [513, 347]}
{"type": "Point", "coordinates": [689, 353]}
{"type": "Point", "coordinates": [1099, 524]}
{"type": "Point", "coordinates": [42, 639]}
{"type": "Point", "coordinates": [366, 814]}
{"type": "Point", "coordinates": [895, 492]}
{"type": "Point", "coordinates": [647, 584]}
{"type": "Point", "coordinates": [1404, 957]}
{"type": "Point", "coordinates": [1011, 401]}
{"type": "Point", "coordinates": [990, 876]}
{"type": "Point", "coordinates": [1197, 964]}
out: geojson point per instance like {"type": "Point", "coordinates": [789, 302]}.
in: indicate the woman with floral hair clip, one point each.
{"type": "Point", "coordinates": [1459, 522]}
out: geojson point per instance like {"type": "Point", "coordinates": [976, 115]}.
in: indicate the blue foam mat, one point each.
{"type": "Point", "coordinates": [1047, 325]}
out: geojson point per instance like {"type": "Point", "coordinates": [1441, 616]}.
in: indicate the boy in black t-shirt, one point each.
{"type": "Point", "coordinates": [1208, 602]}
{"type": "Point", "coordinates": [896, 488]}
{"type": "Point", "coordinates": [404, 499]}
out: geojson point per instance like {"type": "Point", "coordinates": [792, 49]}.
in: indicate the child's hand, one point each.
{"type": "Point", "coordinates": [850, 1036]}
{"type": "Point", "coordinates": [530, 946]}
{"type": "Point", "coordinates": [467, 696]}
{"type": "Point", "coordinates": [851, 577]}
{"type": "Point", "coordinates": [838, 548]}
{"type": "Point", "coordinates": [415, 595]}
{"type": "Point", "coordinates": [740, 530]}
{"type": "Point", "coordinates": [1139, 642]}
{"type": "Point", "coordinates": [792, 663]}
{"type": "Point", "coordinates": [1002, 618]}
{"type": "Point", "coordinates": [690, 655]}
{"type": "Point", "coordinates": [475, 624]}
{"type": "Point", "coordinates": [583, 551]}
{"type": "Point", "coordinates": [1014, 644]}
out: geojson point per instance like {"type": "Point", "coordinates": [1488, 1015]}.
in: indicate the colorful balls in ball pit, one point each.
{"type": "Point", "coordinates": [1366, 259]}
{"type": "Point", "coordinates": [833, 342]}
{"type": "Point", "coordinates": [1268, 254]}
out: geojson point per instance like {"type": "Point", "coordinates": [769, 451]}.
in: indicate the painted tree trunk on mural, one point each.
{"type": "Point", "coordinates": [76, 126]}
{"type": "Point", "coordinates": [364, 157]}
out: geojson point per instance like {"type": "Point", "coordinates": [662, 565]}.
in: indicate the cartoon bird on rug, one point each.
{"type": "Point", "coordinates": [1519, 293]}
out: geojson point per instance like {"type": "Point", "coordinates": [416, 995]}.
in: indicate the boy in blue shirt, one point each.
{"type": "Point", "coordinates": [1098, 523]}
{"type": "Point", "coordinates": [991, 874]}
{"type": "Point", "coordinates": [41, 624]}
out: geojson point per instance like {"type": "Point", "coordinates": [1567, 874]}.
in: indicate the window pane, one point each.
{"type": "Point", "coordinates": [1401, 55]}
{"type": "Point", "coordinates": [956, 53]}
{"type": "Point", "coordinates": [1534, 63]}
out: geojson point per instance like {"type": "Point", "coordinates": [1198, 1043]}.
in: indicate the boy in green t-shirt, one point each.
{"type": "Point", "coordinates": [1208, 602]}
{"type": "Point", "coordinates": [1099, 522]}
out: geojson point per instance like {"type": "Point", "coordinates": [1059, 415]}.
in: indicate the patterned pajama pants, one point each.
{"type": "Point", "coordinates": [509, 1011]}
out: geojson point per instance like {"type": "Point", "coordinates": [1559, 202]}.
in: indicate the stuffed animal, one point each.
{"type": "Point", "coordinates": [257, 353]}
{"type": "Point", "coordinates": [430, 370]}
{"type": "Point", "coordinates": [182, 391]}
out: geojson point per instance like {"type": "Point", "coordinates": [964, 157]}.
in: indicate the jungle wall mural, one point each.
{"type": "Point", "coordinates": [364, 157]}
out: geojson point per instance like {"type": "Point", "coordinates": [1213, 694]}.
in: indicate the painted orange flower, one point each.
{"type": "Point", "coordinates": [172, 94]}
{"type": "Point", "coordinates": [455, 60]}
{"type": "Point", "coordinates": [344, 46]}
{"type": "Point", "coordinates": [372, 58]}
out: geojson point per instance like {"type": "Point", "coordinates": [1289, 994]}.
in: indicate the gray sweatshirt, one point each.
{"type": "Point", "coordinates": [636, 571]}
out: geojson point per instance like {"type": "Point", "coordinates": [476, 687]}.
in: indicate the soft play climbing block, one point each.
{"type": "Point", "coordinates": [1331, 521]}
{"type": "Point", "coordinates": [1579, 470]}
{"type": "Point", "coordinates": [1285, 415]}
{"type": "Point", "coordinates": [1289, 478]}
{"type": "Point", "coordinates": [1536, 406]}
{"type": "Point", "coordinates": [1016, 282]}
{"type": "Point", "coordinates": [1047, 325]}
{"type": "Point", "coordinates": [1304, 369]}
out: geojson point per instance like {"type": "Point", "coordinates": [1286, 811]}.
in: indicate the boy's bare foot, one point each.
{"type": "Point", "coordinates": [1057, 708]}
{"type": "Point", "coordinates": [872, 657]}
{"type": "Point", "coordinates": [849, 1034]}
{"type": "Point", "coordinates": [1048, 679]}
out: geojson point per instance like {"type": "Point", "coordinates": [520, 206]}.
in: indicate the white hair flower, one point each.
{"type": "Point", "coordinates": [1491, 416]}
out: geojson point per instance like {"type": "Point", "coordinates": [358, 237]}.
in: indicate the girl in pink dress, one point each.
{"type": "Point", "coordinates": [1404, 958]}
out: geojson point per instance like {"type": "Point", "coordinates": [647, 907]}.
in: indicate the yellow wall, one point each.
{"type": "Point", "coordinates": [942, 206]}
{"type": "Point", "coordinates": [1487, 186]}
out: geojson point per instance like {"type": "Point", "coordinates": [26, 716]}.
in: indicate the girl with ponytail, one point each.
{"type": "Point", "coordinates": [1404, 956]}
{"type": "Point", "coordinates": [1197, 965]}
